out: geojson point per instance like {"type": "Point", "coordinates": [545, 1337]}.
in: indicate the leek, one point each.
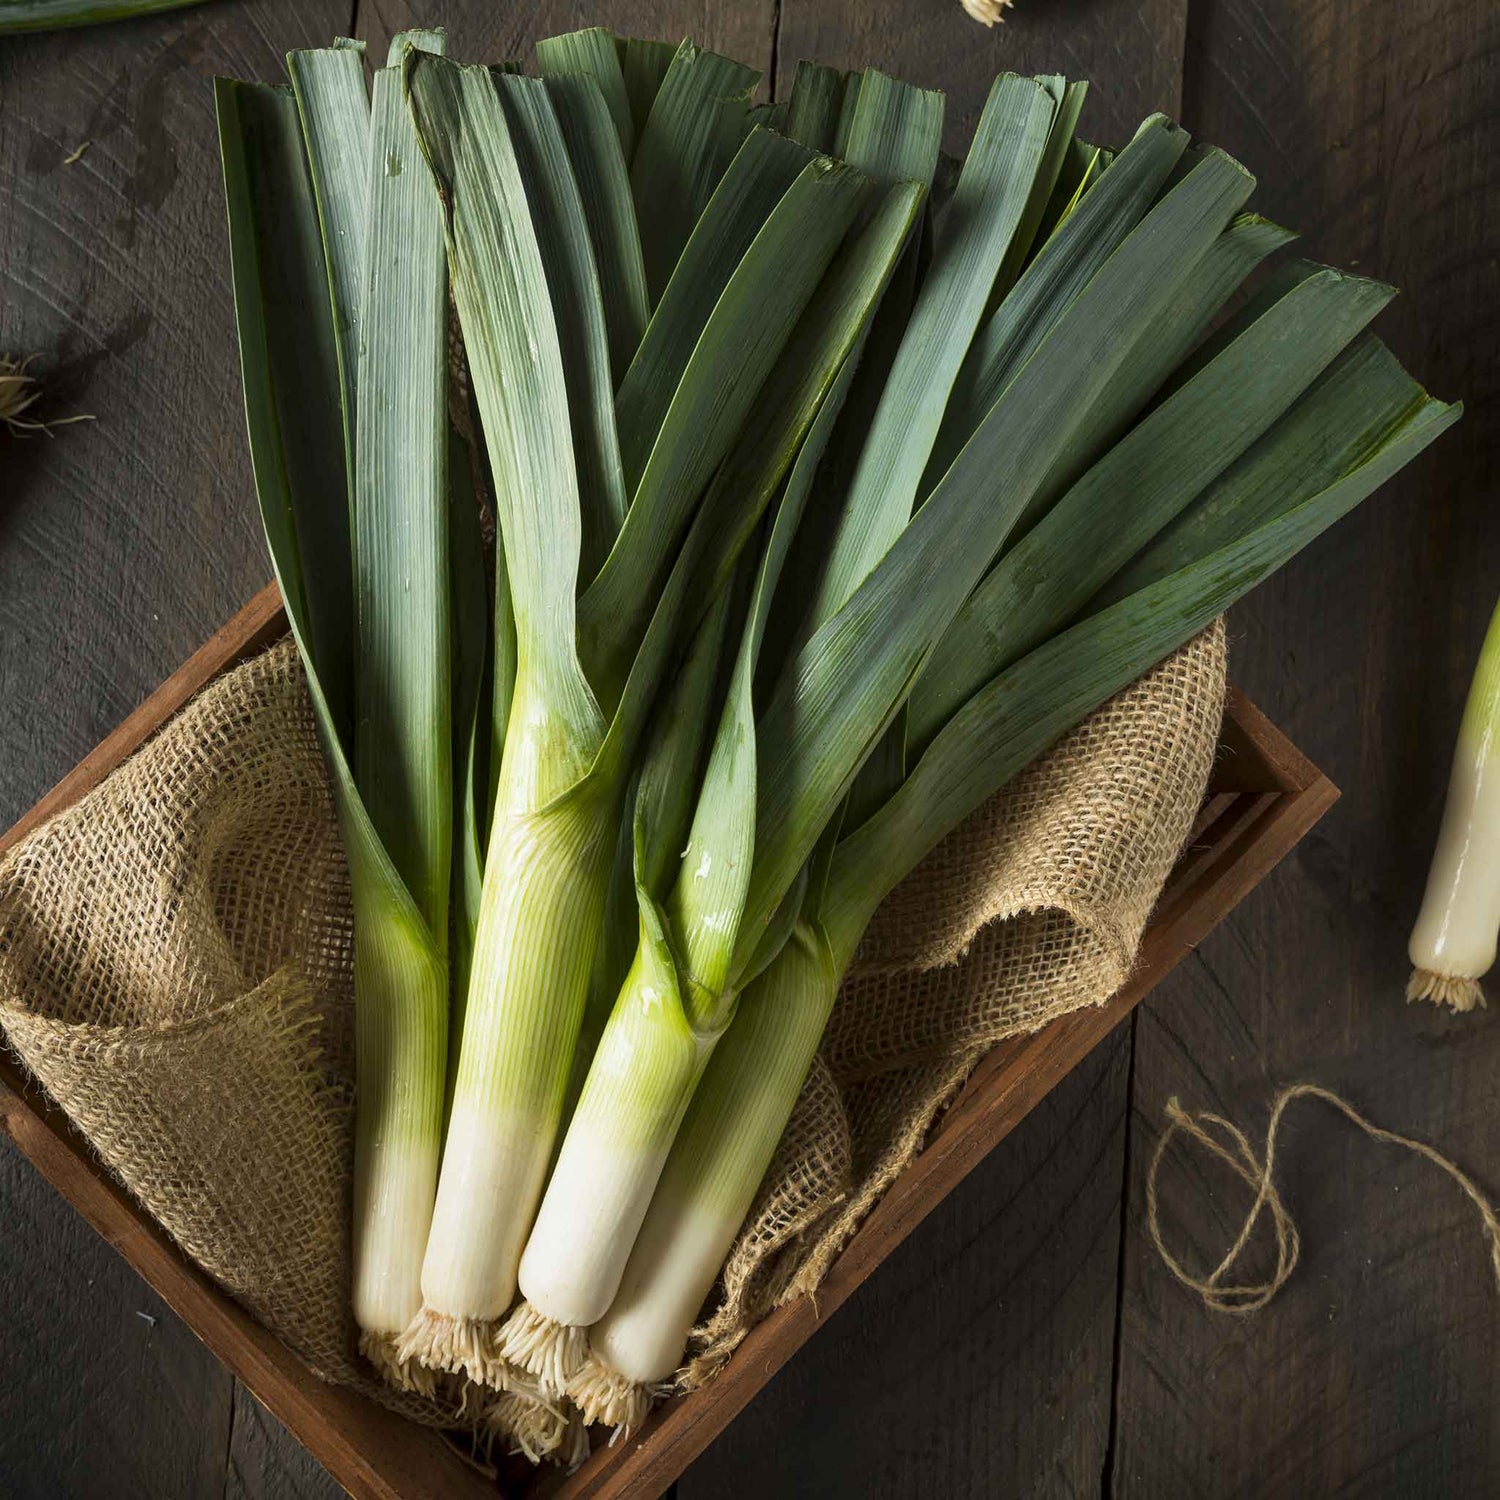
{"type": "Point", "coordinates": [681, 992]}
{"type": "Point", "coordinates": [618, 1136]}
{"type": "Point", "coordinates": [57, 15]}
{"type": "Point", "coordinates": [309, 265]}
{"type": "Point", "coordinates": [1453, 943]}
{"type": "Point", "coordinates": [740, 1109]}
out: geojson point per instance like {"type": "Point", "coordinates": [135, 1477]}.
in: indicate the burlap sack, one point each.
{"type": "Point", "coordinates": [175, 970]}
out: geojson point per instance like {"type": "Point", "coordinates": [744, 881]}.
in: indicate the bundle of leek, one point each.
{"type": "Point", "coordinates": [895, 595]}
{"type": "Point", "coordinates": [819, 516]}
{"type": "Point", "coordinates": [1275, 427]}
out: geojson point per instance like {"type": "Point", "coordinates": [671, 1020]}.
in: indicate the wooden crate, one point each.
{"type": "Point", "coordinates": [1263, 797]}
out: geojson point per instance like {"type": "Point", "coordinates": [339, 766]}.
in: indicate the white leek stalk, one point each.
{"type": "Point", "coordinates": [718, 1160]}
{"type": "Point", "coordinates": [1453, 943]}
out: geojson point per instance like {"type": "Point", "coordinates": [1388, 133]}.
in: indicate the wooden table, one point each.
{"type": "Point", "coordinates": [1027, 1340]}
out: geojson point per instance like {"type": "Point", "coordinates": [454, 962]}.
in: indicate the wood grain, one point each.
{"type": "Point", "coordinates": [123, 543]}
{"type": "Point", "coordinates": [1373, 129]}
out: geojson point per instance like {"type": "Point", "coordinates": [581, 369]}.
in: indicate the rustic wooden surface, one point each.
{"type": "Point", "coordinates": [1026, 1340]}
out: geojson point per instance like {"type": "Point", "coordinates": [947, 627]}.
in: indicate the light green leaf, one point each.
{"type": "Point", "coordinates": [403, 728]}
{"type": "Point", "coordinates": [604, 185]}
{"type": "Point", "coordinates": [562, 236]}
{"type": "Point", "coordinates": [500, 285]}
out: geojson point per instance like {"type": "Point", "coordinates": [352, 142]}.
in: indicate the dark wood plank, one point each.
{"type": "Point", "coordinates": [123, 543]}
{"type": "Point", "coordinates": [999, 1315]}
{"type": "Point", "coordinates": [101, 1378]}
{"type": "Point", "coordinates": [481, 32]}
{"type": "Point", "coordinates": [265, 1465]}
{"type": "Point", "coordinates": [1131, 50]}
{"type": "Point", "coordinates": [1373, 128]}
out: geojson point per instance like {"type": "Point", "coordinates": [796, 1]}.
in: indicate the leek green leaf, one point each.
{"type": "Point", "coordinates": [755, 316]}
{"type": "Point", "coordinates": [756, 181]}
{"type": "Point", "coordinates": [329, 84]}
{"type": "Point", "coordinates": [991, 198]}
{"type": "Point", "coordinates": [841, 690]}
{"type": "Point", "coordinates": [1063, 268]}
{"type": "Point", "coordinates": [403, 730]}
{"type": "Point", "coordinates": [644, 64]}
{"type": "Point", "coordinates": [1026, 708]}
{"type": "Point", "coordinates": [593, 53]}
{"type": "Point", "coordinates": [500, 286]}
{"type": "Point", "coordinates": [813, 109]}
{"type": "Point", "coordinates": [1145, 480]}
{"type": "Point", "coordinates": [563, 238]}
{"type": "Point", "coordinates": [695, 126]}
{"type": "Point", "coordinates": [603, 179]}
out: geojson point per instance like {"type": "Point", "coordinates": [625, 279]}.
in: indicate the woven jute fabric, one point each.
{"type": "Point", "coordinates": [175, 969]}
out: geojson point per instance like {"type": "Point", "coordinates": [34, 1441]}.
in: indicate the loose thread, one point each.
{"type": "Point", "coordinates": [1242, 1298]}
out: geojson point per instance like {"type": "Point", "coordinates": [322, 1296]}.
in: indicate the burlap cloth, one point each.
{"type": "Point", "coordinates": [175, 971]}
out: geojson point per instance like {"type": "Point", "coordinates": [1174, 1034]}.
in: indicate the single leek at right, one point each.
{"type": "Point", "coordinates": [1453, 943]}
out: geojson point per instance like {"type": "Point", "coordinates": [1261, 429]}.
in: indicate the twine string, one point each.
{"type": "Point", "coordinates": [1227, 1142]}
